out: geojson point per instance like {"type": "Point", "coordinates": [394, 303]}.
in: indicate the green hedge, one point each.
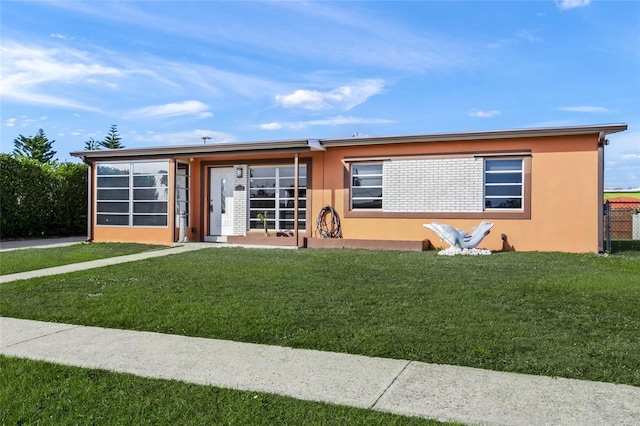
{"type": "Point", "coordinates": [624, 245]}
{"type": "Point", "coordinates": [42, 200]}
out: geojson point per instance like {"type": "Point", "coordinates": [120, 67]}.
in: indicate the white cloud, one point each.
{"type": "Point", "coordinates": [173, 109]}
{"type": "Point", "coordinates": [190, 137]}
{"type": "Point", "coordinates": [61, 36]}
{"type": "Point", "coordinates": [332, 121]}
{"type": "Point", "coordinates": [29, 72]}
{"type": "Point", "coordinates": [340, 120]}
{"type": "Point", "coordinates": [22, 121]}
{"type": "Point", "coordinates": [583, 109]}
{"type": "Point", "coordinates": [307, 99]}
{"type": "Point", "coordinates": [526, 35]}
{"type": "Point", "coordinates": [571, 4]}
{"type": "Point", "coordinates": [484, 114]}
{"type": "Point", "coordinates": [271, 126]}
{"type": "Point", "coordinates": [373, 40]}
{"type": "Point", "coordinates": [631, 157]}
{"type": "Point", "coordinates": [343, 98]}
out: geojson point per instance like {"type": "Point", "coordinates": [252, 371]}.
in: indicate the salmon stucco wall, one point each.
{"type": "Point", "coordinates": [564, 194]}
{"type": "Point", "coordinates": [113, 234]}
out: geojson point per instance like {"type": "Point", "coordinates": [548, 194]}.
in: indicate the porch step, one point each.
{"type": "Point", "coordinates": [369, 244]}
{"type": "Point", "coordinates": [215, 238]}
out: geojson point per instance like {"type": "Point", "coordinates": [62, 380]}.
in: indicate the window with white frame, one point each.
{"type": "Point", "coordinates": [132, 193]}
{"type": "Point", "coordinates": [503, 183]}
{"type": "Point", "coordinates": [271, 190]}
{"type": "Point", "coordinates": [182, 191]}
{"type": "Point", "coordinates": [366, 186]}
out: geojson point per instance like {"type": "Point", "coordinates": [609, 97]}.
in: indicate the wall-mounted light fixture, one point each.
{"type": "Point", "coordinates": [238, 172]}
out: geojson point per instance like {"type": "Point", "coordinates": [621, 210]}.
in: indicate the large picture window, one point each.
{"type": "Point", "coordinates": [503, 184]}
{"type": "Point", "coordinates": [366, 186]}
{"type": "Point", "coordinates": [271, 190]}
{"type": "Point", "coordinates": [132, 193]}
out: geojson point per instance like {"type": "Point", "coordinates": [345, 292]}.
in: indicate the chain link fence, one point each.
{"type": "Point", "coordinates": [621, 221]}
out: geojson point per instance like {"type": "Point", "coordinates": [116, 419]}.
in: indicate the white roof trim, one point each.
{"type": "Point", "coordinates": [483, 135]}
{"type": "Point", "coordinates": [303, 145]}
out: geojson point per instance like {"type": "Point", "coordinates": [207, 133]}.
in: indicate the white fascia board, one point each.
{"type": "Point", "coordinates": [199, 149]}
{"type": "Point", "coordinates": [484, 135]}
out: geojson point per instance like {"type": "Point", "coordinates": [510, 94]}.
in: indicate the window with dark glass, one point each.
{"type": "Point", "coordinates": [272, 190]}
{"type": "Point", "coordinates": [132, 193]}
{"type": "Point", "coordinates": [366, 186]}
{"type": "Point", "coordinates": [503, 184]}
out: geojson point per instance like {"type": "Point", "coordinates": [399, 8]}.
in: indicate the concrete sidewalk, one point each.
{"type": "Point", "coordinates": [40, 243]}
{"type": "Point", "coordinates": [446, 393]}
{"type": "Point", "coordinates": [99, 263]}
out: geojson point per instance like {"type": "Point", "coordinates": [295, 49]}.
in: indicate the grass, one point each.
{"type": "Point", "coordinates": [35, 392]}
{"type": "Point", "coordinates": [15, 261]}
{"type": "Point", "coordinates": [554, 314]}
{"type": "Point", "coordinates": [608, 195]}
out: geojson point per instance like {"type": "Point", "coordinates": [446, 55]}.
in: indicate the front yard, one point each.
{"type": "Point", "coordinates": [14, 261]}
{"type": "Point", "coordinates": [569, 315]}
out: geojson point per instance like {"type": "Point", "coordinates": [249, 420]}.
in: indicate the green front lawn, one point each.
{"type": "Point", "coordinates": [34, 392]}
{"type": "Point", "coordinates": [555, 314]}
{"type": "Point", "coordinates": [14, 261]}
{"type": "Point", "coordinates": [608, 195]}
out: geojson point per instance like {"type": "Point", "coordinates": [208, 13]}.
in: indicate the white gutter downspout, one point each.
{"type": "Point", "coordinates": [601, 144]}
{"type": "Point", "coordinates": [89, 199]}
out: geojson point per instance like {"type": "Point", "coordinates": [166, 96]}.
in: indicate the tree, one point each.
{"type": "Point", "coordinates": [36, 147]}
{"type": "Point", "coordinates": [112, 140]}
{"type": "Point", "coordinates": [91, 144]}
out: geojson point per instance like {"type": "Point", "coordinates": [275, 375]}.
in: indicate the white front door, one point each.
{"type": "Point", "coordinates": [221, 202]}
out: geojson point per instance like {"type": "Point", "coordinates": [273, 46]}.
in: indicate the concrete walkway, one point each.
{"type": "Point", "coordinates": [446, 393]}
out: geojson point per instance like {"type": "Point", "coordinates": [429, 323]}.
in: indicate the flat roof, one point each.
{"type": "Point", "coordinates": [305, 145]}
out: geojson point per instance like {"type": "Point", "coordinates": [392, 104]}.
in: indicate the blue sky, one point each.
{"type": "Point", "coordinates": [168, 73]}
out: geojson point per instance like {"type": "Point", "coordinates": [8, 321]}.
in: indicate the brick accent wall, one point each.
{"type": "Point", "coordinates": [240, 200]}
{"type": "Point", "coordinates": [433, 185]}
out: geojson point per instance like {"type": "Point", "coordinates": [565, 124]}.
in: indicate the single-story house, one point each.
{"type": "Point", "coordinates": [541, 187]}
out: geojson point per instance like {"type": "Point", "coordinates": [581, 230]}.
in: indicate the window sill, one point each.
{"type": "Point", "coordinates": [489, 214]}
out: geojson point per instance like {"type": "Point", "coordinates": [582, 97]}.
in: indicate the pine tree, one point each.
{"type": "Point", "coordinates": [112, 140]}
{"type": "Point", "coordinates": [91, 145]}
{"type": "Point", "coordinates": [36, 147]}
